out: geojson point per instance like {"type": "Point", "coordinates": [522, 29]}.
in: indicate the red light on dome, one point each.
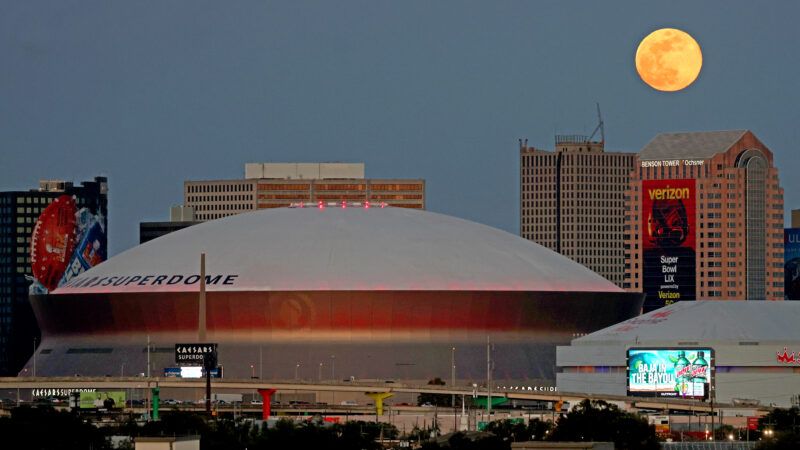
{"type": "Point", "coordinates": [344, 205]}
{"type": "Point", "coordinates": [320, 205]}
{"type": "Point", "coordinates": [366, 205]}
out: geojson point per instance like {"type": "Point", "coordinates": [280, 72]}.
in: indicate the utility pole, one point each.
{"type": "Point", "coordinates": [453, 375]}
{"type": "Point", "coordinates": [201, 323]}
{"type": "Point", "coordinates": [489, 377]}
{"type": "Point", "coordinates": [148, 356]}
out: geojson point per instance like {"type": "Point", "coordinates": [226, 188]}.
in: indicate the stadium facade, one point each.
{"type": "Point", "coordinates": [751, 350]}
{"type": "Point", "coordinates": [330, 292]}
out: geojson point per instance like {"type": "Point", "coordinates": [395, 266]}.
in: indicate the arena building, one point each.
{"type": "Point", "coordinates": [751, 350]}
{"type": "Point", "coordinates": [330, 292]}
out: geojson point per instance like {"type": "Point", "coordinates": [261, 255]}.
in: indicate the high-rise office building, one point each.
{"type": "Point", "coordinates": [180, 217]}
{"type": "Point", "coordinates": [275, 185]}
{"type": "Point", "coordinates": [19, 212]}
{"type": "Point", "coordinates": [572, 202]}
{"type": "Point", "coordinates": [704, 220]}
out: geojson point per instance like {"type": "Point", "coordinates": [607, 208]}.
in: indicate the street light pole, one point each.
{"type": "Point", "coordinates": [319, 377]}
{"type": "Point", "coordinates": [453, 375]}
{"type": "Point", "coordinates": [489, 377]}
{"type": "Point", "coordinates": [148, 356]}
{"type": "Point", "coordinates": [296, 367]}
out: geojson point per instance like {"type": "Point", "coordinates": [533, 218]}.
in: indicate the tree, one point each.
{"type": "Point", "coordinates": [596, 420]}
{"type": "Point", "coordinates": [784, 425]}
{"type": "Point", "coordinates": [443, 400]}
{"type": "Point", "coordinates": [62, 430]}
{"type": "Point", "coordinates": [723, 432]}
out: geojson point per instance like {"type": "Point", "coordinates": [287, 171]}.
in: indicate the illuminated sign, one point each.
{"type": "Point", "coordinates": [681, 373]}
{"type": "Point", "coordinates": [204, 355]}
{"type": "Point", "coordinates": [102, 400]}
{"type": "Point", "coordinates": [673, 163]}
{"type": "Point", "coordinates": [668, 242]}
{"type": "Point", "coordinates": [530, 388]}
{"type": "Point", "coordinates": [791, 267]}
{"type": "Point", "coordinates": [788, 358]}
{"type": "Point", "coordinates": [190, 372]}
{"type": "Point", "coordinates": [57, 392]}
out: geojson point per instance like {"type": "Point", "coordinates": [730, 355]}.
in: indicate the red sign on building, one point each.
{"type": "Point", "coordinates": [668, 241]}
{"type": "Point", "coordinates": [752, 423]}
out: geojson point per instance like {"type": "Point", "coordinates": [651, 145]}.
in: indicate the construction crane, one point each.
{"type": "Point", "coordinates": [599, 127]}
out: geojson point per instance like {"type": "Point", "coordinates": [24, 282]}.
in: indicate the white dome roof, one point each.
{"type": "Point", "coordinates": [308, 249]}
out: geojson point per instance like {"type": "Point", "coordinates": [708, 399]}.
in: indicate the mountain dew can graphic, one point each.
{"type": "Point", "coordinates": [680, 373]}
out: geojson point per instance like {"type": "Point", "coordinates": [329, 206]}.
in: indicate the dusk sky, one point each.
{"type": "Point", "coordinates": [153, 93]}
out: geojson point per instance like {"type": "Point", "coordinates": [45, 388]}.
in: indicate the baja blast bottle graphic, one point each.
{"type": "Point", "coordinates": [700, 369]}
{"type": "Point", "coordinates": [682, 372]}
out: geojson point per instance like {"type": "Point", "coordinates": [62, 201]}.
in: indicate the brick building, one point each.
{"type": "Point", "coordinates": [711, 205]}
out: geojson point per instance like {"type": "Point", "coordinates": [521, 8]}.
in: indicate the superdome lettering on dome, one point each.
{"type": "Point", "coordinates": [150, 280]}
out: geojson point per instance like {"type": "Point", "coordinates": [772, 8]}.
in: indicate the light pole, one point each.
{"type": "Point", "coordinates": [489, 377]}
{"type": "Point", "coordinates": [122, 370]}
{"type": "Point", "coordinates": [319, 377]}
{"type": "Point", "coordinates": [252, 371]}
{"type": "Point", "coordinates": [333, 378]}
{"type": "Point", "coordinates": [453, 375]}
{"type": "Point", "coordinates": [296, 367]}
{"type": "Point", "coordinates": [148, 356]}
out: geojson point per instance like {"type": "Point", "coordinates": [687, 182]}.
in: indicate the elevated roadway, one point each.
{"type": "Point", "coordinates": [108, 383]}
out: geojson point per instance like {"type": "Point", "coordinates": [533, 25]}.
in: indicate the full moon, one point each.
{"type": "Point", "coordinates": [668, 59]}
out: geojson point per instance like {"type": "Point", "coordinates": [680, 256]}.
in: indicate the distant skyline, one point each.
{"type": "Point", "coordinates": [152, 94]}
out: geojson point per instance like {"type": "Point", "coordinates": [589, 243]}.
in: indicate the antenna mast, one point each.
{"type": "Point", "coordinates": [599, 127]}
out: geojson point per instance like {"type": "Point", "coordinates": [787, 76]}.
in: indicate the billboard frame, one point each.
{"type": "Point", "coordinates": [654, 394]}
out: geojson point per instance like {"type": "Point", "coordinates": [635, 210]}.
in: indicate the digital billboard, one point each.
{"type": "Point", "coordinates": [190, 372]}
{"type": "Point", "coordinates": [668, 242]}
{"type": "Point", "coordinates": [791, 267]}
{"type": "Point", "coordinates": [66, 242]}
{"type": "Point", "coordinates": [682, 373]}
{"type": "Point", "coordinates": [102, 400]}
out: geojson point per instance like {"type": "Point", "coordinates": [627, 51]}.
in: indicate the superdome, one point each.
{"type": "Point", "coordinates": [388, 291]}
{"type": "Point", "coordinates": [342, 249]}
